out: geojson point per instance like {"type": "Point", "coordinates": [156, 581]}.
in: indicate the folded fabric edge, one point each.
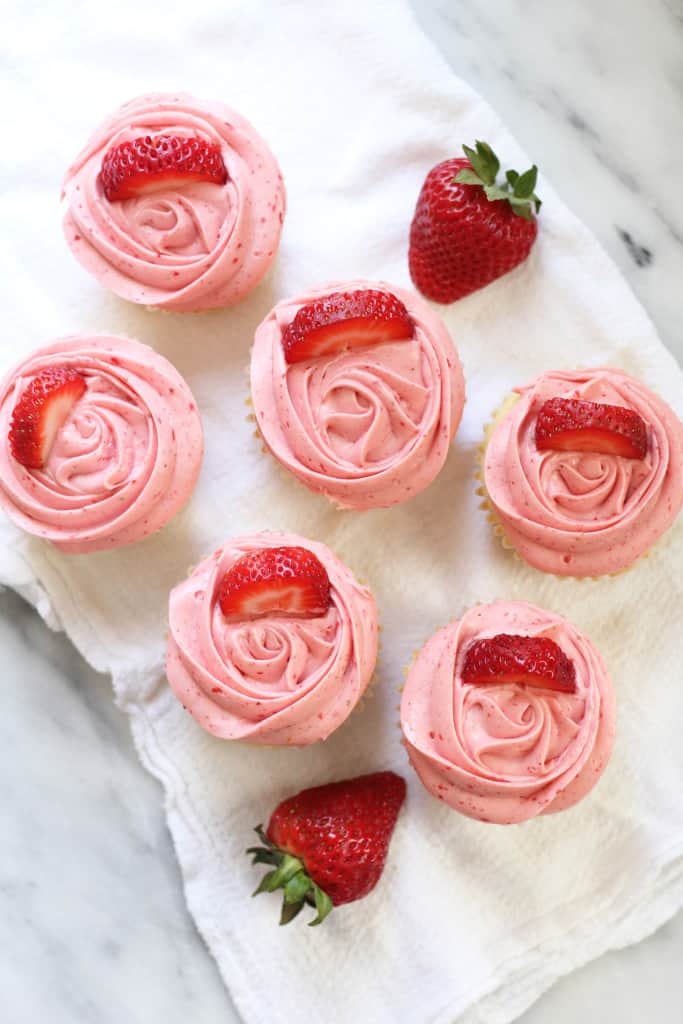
{"type": "Point", "coordinates": [190, 841]}
{"type": "Point", "coordinates": [504, 995]}
{"type": "Point", "coordinates": [512, 994]}
{"type": "Point", "coordinates": [17, 575]}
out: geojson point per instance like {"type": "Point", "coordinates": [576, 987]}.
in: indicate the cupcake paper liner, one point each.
{"type": "Point", "coordinates": [486, 504]}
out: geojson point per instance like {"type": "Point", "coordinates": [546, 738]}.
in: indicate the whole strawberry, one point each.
{"type": "Point", "coordinates": [467, 230]}
{"type": "Point", "coordinates": [327, 845]}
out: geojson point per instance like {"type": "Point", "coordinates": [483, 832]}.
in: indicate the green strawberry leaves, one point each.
{"type": "Point", "coordinates": [468, 177]}
{"type": "Point", "coordinates": [323, 904]}
{"type": "Point", "coordinates": [526, 183]}
{"type": "Point", "coordinates": [484, 161]}
{"type": "Point", "coordinates": [518, 189]}
{"type": "Point", "coordinates": [288, 873]}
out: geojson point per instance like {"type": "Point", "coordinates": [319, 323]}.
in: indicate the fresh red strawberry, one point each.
{"type": "Point", "coordinates": [328, 845]}
{"type": "Point", "coordinates": [467, 230]}
{"type": "Point", "coordinates": [40, 411]}
{"type": "Point", "coordinates": [506, 658]}
{"type": "Point", "coordinates": [568, 424]}
{"type": "Point", "coordinates": [291, 581]}
{"type": "Point", "coordinates": [153, 162]}
{"type": "Point", "coordinates": [345, 320]}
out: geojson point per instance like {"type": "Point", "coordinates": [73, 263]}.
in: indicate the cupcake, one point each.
{"type": "Point", "coordinates": [358, 391]}
{"type": "Point", "coordinates": [100, 443]}
{"type": "Point", "coordinates": [271, 641]}
{"type": "Point", "coordinates": [175, 203]}
{"type": "Point", "coordinates": [508, 713]}
{"type": "Point", "coordinates": [583, 471]}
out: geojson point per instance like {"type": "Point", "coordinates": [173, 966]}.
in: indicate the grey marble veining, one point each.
{"type": "Point", "coordinates": [93, 925]}
{"type": "Point", "coordinates": [594, 93]}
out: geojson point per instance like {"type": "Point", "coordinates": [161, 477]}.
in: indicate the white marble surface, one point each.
{"type": "Point", "coordinates": [596, 99]}
{"type": "Point", "coordinates": [93, 925]}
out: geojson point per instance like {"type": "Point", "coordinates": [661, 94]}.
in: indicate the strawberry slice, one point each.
{"type": "Point", "coordinates": [153, 162]}
{"type": "Point", "coordinates": [568, 424]}
{"type": "Point", "coordinates": [40, 411]}
{"type": "Point", "coordinates": [288, 581]}
{"type": "Point", "coordinates": [507, 658]}
{"type": "Point", "coordinates": [345, 320]}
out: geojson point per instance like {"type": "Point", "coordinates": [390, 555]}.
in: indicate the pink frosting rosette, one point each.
{"type": "Point", "coordinates": [124, 461]}
{"type": "Point", "coordinates": [506, 752]}
{"type": "Point", "coordinates": [184, 248]}
{"type": "Point", "coordinates": [579, 513]}
{"type": "Point", "coordinates": [368, 427]}
{"type": "Point", "coordinates": [277, 680]}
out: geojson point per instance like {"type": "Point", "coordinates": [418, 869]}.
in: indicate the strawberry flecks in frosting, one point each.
{"type": "Point", "coordinates": [368, 427]}
{"type": "Point", "coordinates": [124, 461]}
{"type": "Point", "coordinates": [506, 753]}
{"type": "Point", "coordinates": [582, 513]}
{"type": "Point", "coordinates": [275, 680]}
{"type": "Point", "coordinates": [186, 248]}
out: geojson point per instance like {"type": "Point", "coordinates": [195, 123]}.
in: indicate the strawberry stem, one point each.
{"type": "Point", "coordinates": [518, 189]}
{"type": "Point", "coordinates": [323, 904]}
{"type": "Point", "coordinates": [289, 875]}
{"type": "Point", "coordinates": [289, 911]}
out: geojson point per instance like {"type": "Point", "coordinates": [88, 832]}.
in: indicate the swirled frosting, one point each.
{"type": "Point", "coordinates": [505, 752]}
{"type": "Point", "coordinates": [371, 426]}
{"type": "Point", "coordinates": [579, 513]}
{"type": "Point", "coordinates": [126, 458]}
{"type": "Point", "coordinates": [187, 249]}
{"type": "Point", "coordinates": [277, 680]}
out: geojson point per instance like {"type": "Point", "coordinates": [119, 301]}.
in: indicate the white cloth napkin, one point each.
{"type": "Point", "coordinates": [470, 922]}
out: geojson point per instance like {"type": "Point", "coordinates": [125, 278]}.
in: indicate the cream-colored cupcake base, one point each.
{"type": "Point", "coordinates": [175, 312]}
{"type": "Point", "coordinates": [486, 504]}
{"type": "Point", "coordinates": [258, 436]}
{"type": "Point", "coordinates": [256, 433]}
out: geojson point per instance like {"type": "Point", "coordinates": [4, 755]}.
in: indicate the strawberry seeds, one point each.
{"type": "Point", "coordinates": [153, 162]}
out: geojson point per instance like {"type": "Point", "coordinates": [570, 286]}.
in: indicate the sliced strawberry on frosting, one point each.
{"type": "Point", "coordinates": [345, 320]}
{"type": "Point", "coordinates": [530, 660]}
{"type": "Point", "coordinates": [41, 410]}
{"type": "Point", "coordinates": [286, 581]}
{"type": "Point", "coordinates": [569, 424]}
{"type": "Point", "coordinates": [153, 162]}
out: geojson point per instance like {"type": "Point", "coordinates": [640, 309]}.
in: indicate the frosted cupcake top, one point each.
{"type": "Point", "coordinates": [125, 459]}
{"type": "Point", "coordinates": [581, 513]}
{"type": "Point", "coordinates": [368, 427]}
{"type": "Point", "coordinates": [184, 247]}
{"type": "Point", "coordinates": [278, 680]}
{"type": "Point", "coordinates": [506, 752]}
